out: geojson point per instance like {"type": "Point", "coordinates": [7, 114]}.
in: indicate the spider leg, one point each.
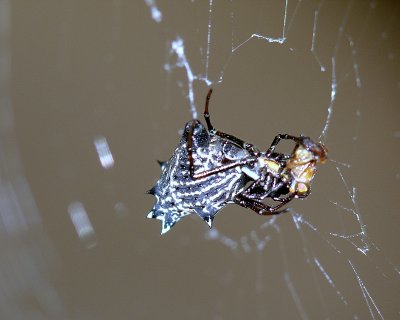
{"type": "Point", "coordinates": [212, 130]}
{"type": "Point", "coordinates": [269, 187]}
{"type": "Point", "coordinates": [277, 199]}
{"type": "Point", "coordinates": [244, 145]}
{"type": "Point", "coordinates": [263, 184]}
{"type": "Point", "coordinates": [226, 136]}
{"type": "Point", "coordinates": [285, 199]}
{"type": "Point", "coordinates": [278, 138]}
{"type": "Point", "coordinates": [222, 168]}
{"type": "Point", "coordinates": [259, 207]}
{"type": "Point", "coordinates": [280, 156]}
{"type": "Point", "coordinates": [206, 114]}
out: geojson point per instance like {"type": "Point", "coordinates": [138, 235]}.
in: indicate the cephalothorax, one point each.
{"type": "Point", "coordinates": [210, 169]}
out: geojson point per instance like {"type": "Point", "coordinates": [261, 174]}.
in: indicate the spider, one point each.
{"type": "Point", "coordinates": [210, 169]}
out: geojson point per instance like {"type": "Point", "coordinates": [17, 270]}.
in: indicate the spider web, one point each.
{"type": "Point", "coordinates": [338, 269]}
{"type": "Point", "coordinates": [118, 81]}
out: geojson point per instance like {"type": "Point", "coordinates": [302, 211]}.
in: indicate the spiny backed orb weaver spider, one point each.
{"type": "Point", "coordinates": [210, 169]}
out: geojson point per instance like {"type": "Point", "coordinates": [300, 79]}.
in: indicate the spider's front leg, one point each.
{"type": "Point", "coordinates": [278, 138]}
{"type": "Point", "coordinates": [259, 207]}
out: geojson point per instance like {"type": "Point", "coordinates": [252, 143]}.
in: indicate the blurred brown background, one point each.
{"type": "Point", "coordinates": [80, 75]}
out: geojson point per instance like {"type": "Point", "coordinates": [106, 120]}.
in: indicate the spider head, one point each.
{"type": "Point", "coordinates": [303, 165]}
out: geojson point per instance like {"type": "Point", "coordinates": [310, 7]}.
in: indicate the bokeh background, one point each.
{"type": "Point", "coordinates": [92, 93]}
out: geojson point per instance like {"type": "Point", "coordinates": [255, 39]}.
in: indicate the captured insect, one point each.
{"type": "Point", "coordinates": [210, 169]}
